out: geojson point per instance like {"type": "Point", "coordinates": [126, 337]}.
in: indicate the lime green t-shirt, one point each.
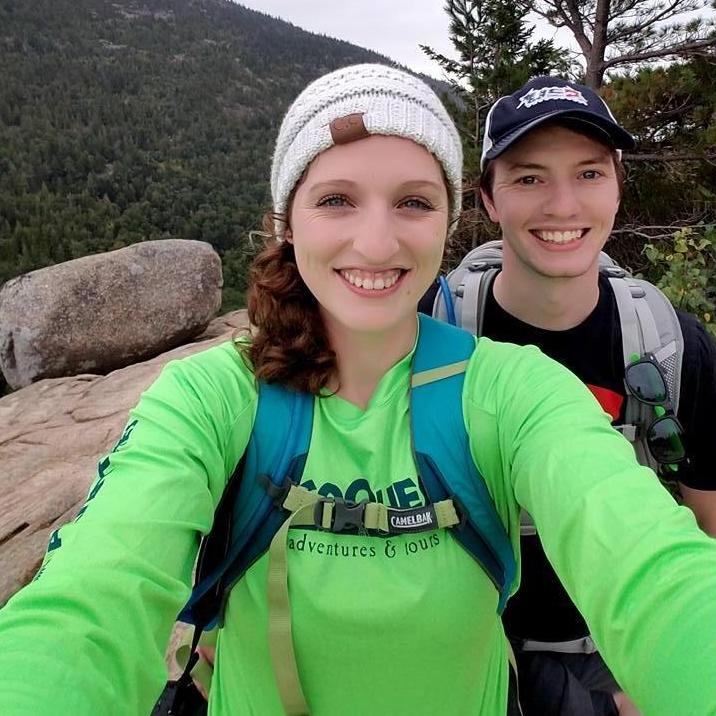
{"type": "Point", "coordinates": [405, 625]}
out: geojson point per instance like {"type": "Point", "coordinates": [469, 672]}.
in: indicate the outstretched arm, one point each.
{"type": "Point", "coordinates": [703, 504]}
{"type": "Point", "coordinates": [88, 635]}
{"type": "Point", "coordinates": [634, 562]}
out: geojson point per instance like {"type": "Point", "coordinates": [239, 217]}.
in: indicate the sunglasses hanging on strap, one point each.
{"type": "Point", "coordinates": [664, 434]}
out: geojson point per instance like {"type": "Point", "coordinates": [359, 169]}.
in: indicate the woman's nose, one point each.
{"type": "Point", "coordinates": [376, 236]}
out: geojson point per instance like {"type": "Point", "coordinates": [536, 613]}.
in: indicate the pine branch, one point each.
{"type": "Point", "coordinates": [671, 10]}
{"type": "Point", "coordinates": [673, 157]}
{"type": "Point", "coordinates": [577, 27]}
{"type": "Point", "coordinates": [680, 49]}
{"type": "Point", "coordinates": [667, 232]}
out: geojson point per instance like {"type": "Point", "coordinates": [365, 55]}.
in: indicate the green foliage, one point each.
{"type": "Point", "coordinates": [668, 107]}
{"type": "Point", "coordinates": [684, 269]}
{"type": "Point", "coordinates": [124, 121]}
{"type": "Point", "coordinates": [492, 39]}
{"type": "Point", "coordinates": [671, 178]}
{"type": "Point", "coordinates": [236, 263]}
{"type": "Point", "coordinates": [618, 34]}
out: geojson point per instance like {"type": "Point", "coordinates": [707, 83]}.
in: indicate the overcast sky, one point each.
{"type": "Point", "coordinates": [394, 28]}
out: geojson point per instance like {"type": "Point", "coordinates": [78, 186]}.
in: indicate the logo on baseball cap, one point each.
{"type": "Point", "coordinates": [543, 99]}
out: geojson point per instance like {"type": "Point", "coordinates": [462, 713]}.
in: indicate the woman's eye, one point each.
{"type": "Point", "coordinates": [527, 180]}
{"type": "Point", "coordinates": [415, 203]}
{"type": "Point", "coordinates": [333, 200]}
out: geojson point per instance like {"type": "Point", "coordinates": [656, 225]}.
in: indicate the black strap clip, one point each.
{"type": "Point", "coordinates": [277, 493]}
{"type": "Point", "coordinates": [346, 515]}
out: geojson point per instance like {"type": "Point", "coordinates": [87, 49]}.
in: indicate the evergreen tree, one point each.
{"type": "Point", "coordinates": [496, 56]}
{"type": "Point", "coordinates": [123, 122]}
{"type": "Point", "coordinates": [624, 34]}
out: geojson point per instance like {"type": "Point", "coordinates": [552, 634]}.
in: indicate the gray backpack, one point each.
{"type": "Point", "coordinates": [648, 325]}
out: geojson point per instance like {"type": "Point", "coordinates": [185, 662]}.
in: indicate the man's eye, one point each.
{"type": "Point", "coordinates": [528, 180]}
{"type": "Point", "coordinates": [591, 174]}
{"type": "Point", "coordinates": [333, 200]}
{"type": "Point", "coordinates": [415, 203]}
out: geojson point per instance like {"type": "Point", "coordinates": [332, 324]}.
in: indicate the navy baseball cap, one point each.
{"type": "Point", "coordinates": [543, 99]}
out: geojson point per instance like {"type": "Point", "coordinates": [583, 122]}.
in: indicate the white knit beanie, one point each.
{"type": "Point", "coordinates": [388, 101]}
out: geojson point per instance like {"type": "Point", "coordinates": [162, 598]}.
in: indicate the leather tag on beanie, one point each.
{"type": "Point", "coordinates": [348, 129]}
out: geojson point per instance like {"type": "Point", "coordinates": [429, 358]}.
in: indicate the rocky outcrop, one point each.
{"type": "Point", "coordinates": [52, 434]}
{"type": "Point", "coordinates": [102, 312]}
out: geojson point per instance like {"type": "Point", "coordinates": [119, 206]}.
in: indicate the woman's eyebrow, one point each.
{"type": "Point", "coordinates": [332, 184]}
{"type": "Point", "coordinates": [422, 184]}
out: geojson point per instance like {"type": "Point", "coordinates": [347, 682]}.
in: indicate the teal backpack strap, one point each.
{"type": "Point", "coordinates": [249, 512]}
{"type": "Point", "coordinates": [442, 452]}
{"type": "Point", "coordinates": [248, 516]}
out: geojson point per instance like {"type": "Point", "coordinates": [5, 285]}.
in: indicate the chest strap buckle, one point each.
{"type": "Point", "coordinates": [340, 515]}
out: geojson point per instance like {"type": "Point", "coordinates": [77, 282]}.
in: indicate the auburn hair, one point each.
{"type": "Point", "coordinates": [289, 342]}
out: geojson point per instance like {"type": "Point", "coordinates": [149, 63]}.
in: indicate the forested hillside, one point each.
{"type": "Point", "coordinates": [125, 121]}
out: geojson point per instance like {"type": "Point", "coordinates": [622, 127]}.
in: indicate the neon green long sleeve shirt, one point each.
{"type": "Point", "coordinates": [406, 625]}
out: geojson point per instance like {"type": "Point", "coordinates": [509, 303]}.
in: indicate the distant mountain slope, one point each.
{"type": "Point", "coordinates": [128, 120]}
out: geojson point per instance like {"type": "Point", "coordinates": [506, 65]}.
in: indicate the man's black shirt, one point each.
{"type": "Point", "coordinates": [541, 609]}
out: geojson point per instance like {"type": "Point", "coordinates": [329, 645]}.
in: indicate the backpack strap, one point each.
{"type": "Point", "coordinates": [632, 345]}
{"type": "Point", "coordinates": [263, 498]}
{"type": "Point", "coordinates": [307, 508]}
{"type": "Point", "coordinates": [463, 305]}
{"type": "Point", "coordinates": [670, 353]}
{"type": "Point", "coordinates": [440, 447]}
{"type": "Point", "coordinates": [442, 451]}
{"type": "Point", "coordinates": [463, 294]}
{"type": "Point", "coordinates": [247, 516]}
{"type": "Point", "coordinates": [648, 324]}
{"type": "Point", "coordinates": [476, 285]}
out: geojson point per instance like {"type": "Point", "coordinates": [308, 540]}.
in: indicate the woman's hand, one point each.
{"type": "Point", "coordinates": [625, 705]}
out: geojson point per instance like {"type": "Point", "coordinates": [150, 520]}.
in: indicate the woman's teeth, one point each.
{"type": "Point", "coordinates": [559, 237]}
{"type": "Point", "coordinates": [371, 281]}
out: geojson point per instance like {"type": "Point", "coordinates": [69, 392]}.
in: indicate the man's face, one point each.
{"type": "Point", "coordinates": [555, 195]}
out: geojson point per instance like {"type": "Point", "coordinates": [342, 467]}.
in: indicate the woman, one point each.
{"type": "Point", "coordinates": [366, 186]}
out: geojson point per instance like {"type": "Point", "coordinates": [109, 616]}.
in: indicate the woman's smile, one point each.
{"type": "Point", "coordinates": [371, 214]}
{"type": "Point", "coordinates": [375, 282]}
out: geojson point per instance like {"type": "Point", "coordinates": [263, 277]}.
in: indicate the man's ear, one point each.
{"type": "Point", "coordinates": [489, 207]}
{"type": "Point", "coordinates": [288, 235]}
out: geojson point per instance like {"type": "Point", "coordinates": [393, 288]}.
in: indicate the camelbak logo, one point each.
{"type": "Point", "coordinates": [413, 521]}
{"type": "Point", "coordinates": [418, 520]}
{"type": "Point", "coordinates": [535, 96]}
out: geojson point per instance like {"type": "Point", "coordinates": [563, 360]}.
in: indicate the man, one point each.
{"type": "Point", "coordinates": [552, 178]}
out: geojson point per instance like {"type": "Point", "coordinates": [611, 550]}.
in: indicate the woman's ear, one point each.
{"type": "Point", "coordinates": [288, 235]}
